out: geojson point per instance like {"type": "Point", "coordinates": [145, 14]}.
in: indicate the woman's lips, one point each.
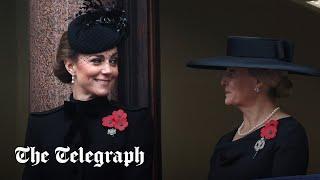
{"type": "Point", "coordinates": [227, 93]}
{"type": "Point", "coordinates": [103, 81]}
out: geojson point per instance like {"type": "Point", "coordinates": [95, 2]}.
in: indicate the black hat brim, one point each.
{"type": "Point", "coordinates": [223, 62]}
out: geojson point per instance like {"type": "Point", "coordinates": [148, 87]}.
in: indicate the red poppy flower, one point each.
{"type": "Point", "coordinates": [118, 120]}
{"type": "Point", "coordinates": [119, 115]}
{"type": "Point", "coordinates": [268, 132]}
{"type": "Point", "coordinates": [108, 121]}
{"type": "Point", "coordinates": [272, 123]}
{"type": "Point", "coordinates": [121, 124]}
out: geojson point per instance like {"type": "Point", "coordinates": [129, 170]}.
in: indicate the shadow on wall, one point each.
{"type": "Point", "coordinates": [14, 83]}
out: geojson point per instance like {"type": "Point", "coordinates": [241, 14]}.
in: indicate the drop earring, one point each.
{"type": "Point", "coordinates": [256, 89]}
{"type": "Point", "coordinates": [72, 79]}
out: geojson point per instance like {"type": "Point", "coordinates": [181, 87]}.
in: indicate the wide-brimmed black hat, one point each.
{"type": "Point", "coordinates": [256, 52]}
{"type": "Point", "coordinates": [97, 28]}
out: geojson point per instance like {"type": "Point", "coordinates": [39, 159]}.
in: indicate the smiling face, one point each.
{"type": "Point", "coordinates": [239, 87]}
{"type": "Point", "coordinates": [95, 74]}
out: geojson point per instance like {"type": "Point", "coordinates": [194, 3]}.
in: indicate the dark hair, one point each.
{"type": "Point", "coordinates": [64, 52]}
{"type": "Point", "coordinates": [277, 81]}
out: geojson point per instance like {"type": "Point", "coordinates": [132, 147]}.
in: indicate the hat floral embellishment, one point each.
{"type": "Point", "coordinates": [268, 132]}
{"type": "Point", "coordinates": [116, 121]}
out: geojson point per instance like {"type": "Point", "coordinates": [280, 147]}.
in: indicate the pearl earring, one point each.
{"type": "Point", "coordinates": [256, 89]}
{"type": "Point", "coordinates": [72, 79]}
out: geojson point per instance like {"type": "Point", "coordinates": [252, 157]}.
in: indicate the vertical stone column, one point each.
{"type": "Point", "coordinates": [48, 20]}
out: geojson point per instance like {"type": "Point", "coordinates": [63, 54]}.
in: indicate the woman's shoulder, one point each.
{"type": "Point", "coordinates": [47, 112]}
{"type": "Point", "coordinates": [47, 115]}
{"type": "Point", "coordinates": [227, 137]}
{"type": "Point", "coordinates": [140, 124]}
{"type": "Point", "coordinates": [290, 125]}
{"type": "Point", "coordinates": [291, 130]}
{"type": "Point", "coordinates": [130, 108]}
{"type": "Point", "coordinates": [43, 125]}
{"type": "Point", "coordinates": [118, 104]}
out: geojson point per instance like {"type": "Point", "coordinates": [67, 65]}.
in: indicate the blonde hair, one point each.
{"type": "Point", "coordinates": [277, 81]}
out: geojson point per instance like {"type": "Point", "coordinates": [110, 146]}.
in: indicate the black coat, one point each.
{"type": "Point", "coordinates": [285, 155]}
{"type": "Point", "coordinates": [79, 124]}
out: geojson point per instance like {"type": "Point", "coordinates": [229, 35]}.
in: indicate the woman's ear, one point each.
{"type": "Point", "coordinates": [70, 66]}
{"type": "Point", "coordinates": [259, 84]}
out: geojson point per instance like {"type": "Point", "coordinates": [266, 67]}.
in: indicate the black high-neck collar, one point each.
{"type": "Point", "coordinates": [95, 100]}
{"type": "Point", "coordinates": [93, 106]}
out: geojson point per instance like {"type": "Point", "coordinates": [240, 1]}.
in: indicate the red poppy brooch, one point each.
{"type": "Point", "coordinates": [116, 121]}
{"type": "Point", "coordinates": [269, 131]}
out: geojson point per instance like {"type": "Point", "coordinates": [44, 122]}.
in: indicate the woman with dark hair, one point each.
{"type": "Point", "coordinates": [97, 138]}
{"type": "Point", "coordinates": [269, 142]}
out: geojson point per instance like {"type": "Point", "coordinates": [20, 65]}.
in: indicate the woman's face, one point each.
{"type": "Point", "coordinates": [238, 87]}
{"type": "Point", "coordinates": [95, 74]}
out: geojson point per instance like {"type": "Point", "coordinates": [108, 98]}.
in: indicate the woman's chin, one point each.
{"type": "Point", "coordinates": [102, 93]}
{"type": "Point", "coordinates": [228, 102]}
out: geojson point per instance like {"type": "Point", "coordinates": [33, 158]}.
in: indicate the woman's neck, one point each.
{"type": "Point", "coordinates": [81, 96]}
{"type": "Point", "coordinates": [256, 113]}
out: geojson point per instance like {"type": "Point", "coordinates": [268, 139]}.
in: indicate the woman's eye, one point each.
{"type": "Point", "coordinates": [96, 61]}
{"type": "Point", "coordinates": [231, 73]}
{"type": "Point", "coordinates": [113, 61]}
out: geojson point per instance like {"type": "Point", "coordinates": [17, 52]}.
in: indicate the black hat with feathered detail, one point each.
{"type": "Point", "coordinates": [97, 28]}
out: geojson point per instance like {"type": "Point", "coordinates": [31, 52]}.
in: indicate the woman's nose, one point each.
{"type": "Point", "coordinates": [106, 69]}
